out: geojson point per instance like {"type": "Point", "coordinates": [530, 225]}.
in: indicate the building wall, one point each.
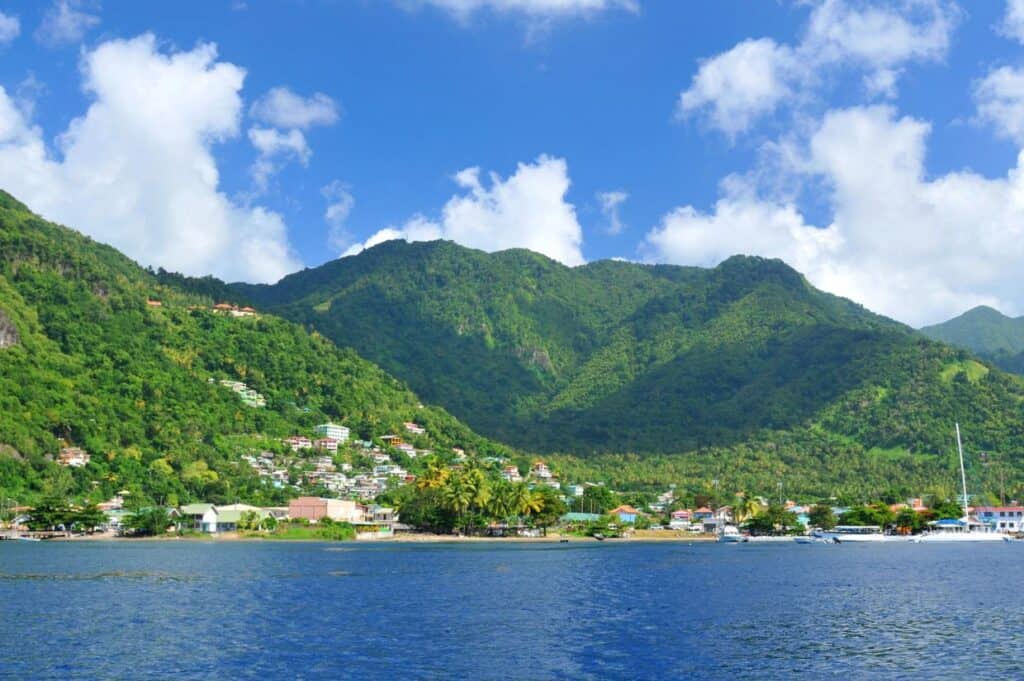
{"type": "Point", "coordinates": [310, 508]}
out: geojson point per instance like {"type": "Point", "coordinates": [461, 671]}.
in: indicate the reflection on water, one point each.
{"type": "Point", "coordinates": [509, 611]}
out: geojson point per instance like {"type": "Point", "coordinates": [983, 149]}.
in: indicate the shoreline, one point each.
{"type": "Point", "coordinates": [410, 538]}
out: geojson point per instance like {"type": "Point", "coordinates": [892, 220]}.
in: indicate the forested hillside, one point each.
{"type": "Point", "coordinates": [621, 357]}
{"type": "Point", "coordinates": [88, 359]}
{"type": "Point", "coordinates": [987, 332]}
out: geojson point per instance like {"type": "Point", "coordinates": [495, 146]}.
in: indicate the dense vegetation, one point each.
{"type": "Point", "coordinates": [738, 378]}
{"type": "Point", "coordinates": [987, 332]}
{"type": "Point", "coordinates": [86, 362]}
{"type": "Point", "coordinates": [752, 373]}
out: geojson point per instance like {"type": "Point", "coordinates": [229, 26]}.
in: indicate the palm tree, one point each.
{"type": "Point", "coordinates": [747, 507]}
{"type": "Point", "coordinates": [457, 495]}
{"type": "Point", "coordinates": [436, 476]}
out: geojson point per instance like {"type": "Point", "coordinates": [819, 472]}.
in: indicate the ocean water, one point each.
{"type": "Point", "coordinates": [242, 610]}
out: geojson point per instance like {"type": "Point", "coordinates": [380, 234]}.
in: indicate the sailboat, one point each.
{"type": "Point", "coordinates": [964, 529]}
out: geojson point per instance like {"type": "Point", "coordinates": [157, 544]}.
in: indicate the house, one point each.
{"type": "Point", "coordinates": [575, 517]}
{"type": "Point", "coordinates": [154, 303]}
{"type": "Point", "coordinates": [703, 513]}
{"type": "Point", "coordinates": [415, 428]}
{"type": "Point", "coordinates": [625, 513]}
{"type": "Point", "coordinates": [74, 457]}
{"type": "Point", "coordinates": [297, 443]}
{"type": "Point", "coordinates": [511, 474]}
{"type": "Point", "coordinates": [680, 519]}
{"type": "Point", "coordinates": [326, 444]}
{"type": "Point", "coordinates": [223, 308]}
{"type": "Point", "coordinates": [574, 490]}
{"type": "Point", "coordinates": [540, 471]}
{"type": "Point", "coordinates": [333, 431]}
{"type": "Point", "coordinates": [1007, 519]}
{"type": "Point", "coordinates": [315, 508]}
{"type": "Point", "coordinates": [391, 440]}
{"type": "Point", "coordinates": [202, 517]}
{"type": "Point", "coordinates": [243, 312]}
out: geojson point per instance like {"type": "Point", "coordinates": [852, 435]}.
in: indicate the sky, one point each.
{"type": "Point", "coordinates": [873, 146]}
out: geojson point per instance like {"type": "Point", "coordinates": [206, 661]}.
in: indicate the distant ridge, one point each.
{"type": "Point", "coordinates": [987, 332]}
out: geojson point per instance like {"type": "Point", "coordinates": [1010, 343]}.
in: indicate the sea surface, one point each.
{"type": "Point", "coordinates": [582, 610]}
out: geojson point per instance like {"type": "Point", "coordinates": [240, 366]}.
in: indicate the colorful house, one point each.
{"type": "Point", "coordinates": [625, 513]}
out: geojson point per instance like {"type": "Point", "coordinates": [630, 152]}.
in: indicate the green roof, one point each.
{"type": "Point", "coordinates": [195, 509]}
{"type": "Point", "coordinates": [580, 517]}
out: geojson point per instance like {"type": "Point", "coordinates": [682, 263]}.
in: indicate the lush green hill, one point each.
{"type": "Point", "coordinates": [744, 363]}
{"type": "Point", "coordinates": [987, 332]}
{"type": "Point", "coordinates": [85, 361]}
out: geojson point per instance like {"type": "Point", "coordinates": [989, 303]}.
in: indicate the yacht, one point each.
{"type": "Point", "coordinates": [963, 529]}
{"type": "Point", "coordinates": [730, 535]}
{"type": "Point", "coordinates": [842, 534]}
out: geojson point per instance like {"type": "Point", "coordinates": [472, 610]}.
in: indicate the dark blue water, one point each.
{"type": "Point", "coordinates": [509, 611]}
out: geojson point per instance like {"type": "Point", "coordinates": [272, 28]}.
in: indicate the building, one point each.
{"type": "Point", "coordinates": [511, 474]}
{"type": "Point", "coordinates": [315, 508]}
{"type": "Point", "coordinates": [326, 444]}
{"type": "Point", "coordinates": [74, 457]}
{"type": "Point", "coordinates": [1007, 519]}
{"type": "Point", "coordinates": [703, 513]}
{"type": "Point", "coordinates": [625, 513]}
{"type": "Point", "coordinates": [297, 443]}
{"type": "Point", "coordinates": [414, 428]}
{"type": "Point", "coordinates": [154, 303]}
{"type": "Point", "coordinates": [540, 471]}
{"type": "Point", "coordinates": [333, 431]}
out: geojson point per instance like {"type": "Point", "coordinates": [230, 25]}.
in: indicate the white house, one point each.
{"type": "Point", "coordinates": [1006, 519]}
{"type": "Point", "coordinates": [333, 431]}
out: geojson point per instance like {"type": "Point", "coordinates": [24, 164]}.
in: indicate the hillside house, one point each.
{"type": "Point", "coordinates": [414, 428]}
{"type": "Point", "coordinates": [74, 457]}
{"type": "Point", "coordinates": [333, 431]}
{"type": "Point", "coordinates": [298, 443]}
{"type": "Point", "coordinates": [326, 444]}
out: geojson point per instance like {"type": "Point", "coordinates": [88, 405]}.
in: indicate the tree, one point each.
{"type": "Point", "coordinates": [821, 516]}
{"type": "Point", "coordinates": [550, 509]}
{"type": "Point", "coordinates": [50, 514]}
{"type": "Point", "coordinates": [773, 520]}
{"type": "Point", "coordinates": [598, 499]}
{"type": "Point", "coordinates": [747, 507]}
{"type": "Point", "coordinates": [909, 520]}
{"type": "Point", "coordinates": [148, 522]}
{"type": "Point", "coordinates": [88, 519]}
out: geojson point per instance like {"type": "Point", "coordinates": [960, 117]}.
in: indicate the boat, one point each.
{"type": "Point", "coordinates": [731, 535]}
{"type": "Point", "coordinates": [813, 539]}
{"type": "Point", "coordinates": [21, 538]}
{"type": "Point", "coordinates": [843, 534]}
{"type": "Point", "coordinates": [960, 529]}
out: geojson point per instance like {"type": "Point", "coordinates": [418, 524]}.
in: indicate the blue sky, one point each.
{"type": "Point", "coordinates": [874, 146]}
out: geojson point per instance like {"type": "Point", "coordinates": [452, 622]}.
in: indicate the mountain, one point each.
{"type": "Point", "coordinates": [742, 360]}
{"type": "Point", "coordinates": [987, 332]}
{"type": "Point", "coordinates": [98, 353]}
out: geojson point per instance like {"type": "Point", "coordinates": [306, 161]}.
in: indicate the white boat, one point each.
{"type": "Point", "coordinates": [963, 529]}
{"type": "Point", "coordinates": [843, 534]}
{"type": "Point", "coordinates": [813, 539]}
{"type": "Point", "coordinates": [730, 535]}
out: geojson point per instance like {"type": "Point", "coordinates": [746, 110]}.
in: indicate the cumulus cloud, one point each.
{"type": "Point", "coordinates": [275, 147]}
{"type": "Point", "coordinates": [610, 202]}
{"type": "Point", "coordinates": [282, 108]}
{"type": "Point", "coordinates": [136, 169]}
{"type": "Point", "coordinates": [999, 97]}
{"type": "Point", "coordinates": [65, 23]}
{"type": "Point", "coordinates": [918, 249]}
{"type": "Point", "coordinates": [10, 28]}
{"type": "Point", "coordinates": [289, 114]}
{"type": "Point", "coordinates": [736, 88]}
{"type": "Point", "coordinates": [1013, 20]}
{"type": "Point", "coordinates": [526, 210]}
{"type": "Point", "coordinates": [340, 203]}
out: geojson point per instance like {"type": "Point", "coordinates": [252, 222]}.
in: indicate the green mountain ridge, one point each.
{"type": "Point", "coordinates": [686, 368]}
{"type": "Point", "coordinates": [85, 361]}
{"type": "Point", "coordinates": [987, 332]}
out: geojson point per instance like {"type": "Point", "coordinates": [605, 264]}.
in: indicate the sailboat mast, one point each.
{"type": "Point", "coordinates": [963, 475]}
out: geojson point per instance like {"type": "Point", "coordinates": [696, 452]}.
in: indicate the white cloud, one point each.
{"type": "Point", "coordinates": [610, 202]}
{"type": "Point", "coordinates": [275, 147]}
{"type": "Point", "coordinates": [734, 89]}
{"type": "Point", "coordinates": [10, 28]}
{"type": "Point", "coordinates": [526, 210]}
{"type": "Point", "coordinates": [340, 203]}
{"type": "Point", "coordinates": [136, 170]}
{"type": "Point", "coordinates": [65, 23]}
{"type": "Point", "coordinates": [283, 108]}
{"type": "Point", "coordinates": [531, 8]}
{"type": "Point", "coordinates": [417, 228]}
{"type": "Point", "coordinates": [1013, 20]}
{"type": "Point", "coordinates": [918, 249]}
{"type": "Point", "coordinates": [999, 97]}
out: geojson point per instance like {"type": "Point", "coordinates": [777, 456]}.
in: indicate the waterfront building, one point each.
{"type": "Point", "coordinates": [1006, 519]}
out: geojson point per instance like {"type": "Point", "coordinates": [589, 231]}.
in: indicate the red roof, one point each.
{"type": "Point", "coordinates": [704, 509]}
{"type": "Point", "coordinates": [624, 509]}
